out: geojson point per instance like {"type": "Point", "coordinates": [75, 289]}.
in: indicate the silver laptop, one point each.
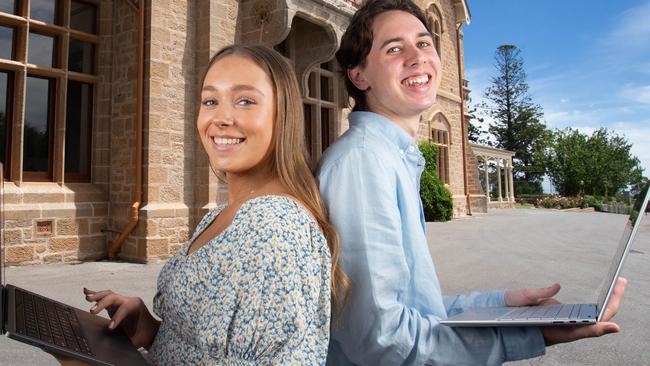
{"type": "Point", "coordinates": [58, 328]}
{"type": "Point", "coordinates": [560, 314]}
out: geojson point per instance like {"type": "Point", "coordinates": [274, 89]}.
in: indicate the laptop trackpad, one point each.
{"type": "Point", "coordinates": [106, 344]}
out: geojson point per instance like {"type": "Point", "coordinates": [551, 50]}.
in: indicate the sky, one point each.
{"type": "Point", "coordinates": [587, 62]}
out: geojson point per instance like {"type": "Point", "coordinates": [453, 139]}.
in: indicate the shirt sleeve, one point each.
{"type": "Point", "coordinates": [376, 327]}
{"type": "Point", "coordinates": [282, 309]}
{"type": "Point", "coordinates": [457, 303]}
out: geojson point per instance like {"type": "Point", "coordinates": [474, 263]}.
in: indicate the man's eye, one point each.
{"type": "Point", "coordinates": [209, 102]}
{"type": "Point", "coordinates": [394, 50]}
{"type": "Point", "coordinates": [423, 44]}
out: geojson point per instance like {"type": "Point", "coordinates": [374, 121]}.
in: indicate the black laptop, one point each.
{"type": "Point", "coordinates": [56, 327]}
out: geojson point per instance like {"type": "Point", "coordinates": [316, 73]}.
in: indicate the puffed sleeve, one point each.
{"type": "Point", "coordinates": [282, 305]}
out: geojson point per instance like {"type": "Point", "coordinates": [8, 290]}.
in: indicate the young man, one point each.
{"type": "Point", "coordinates": [370, 178]}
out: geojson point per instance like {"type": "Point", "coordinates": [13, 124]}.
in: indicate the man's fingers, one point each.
{"type": "Point", "coordinates": [615, 299]}
{"type": "Point", "coordinates": [538, 295]}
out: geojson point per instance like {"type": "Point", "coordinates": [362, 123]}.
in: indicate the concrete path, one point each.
{"type": "Point", "coordinates": [502, 249]}
{"type": "Point", "coordinates": [519, 248]}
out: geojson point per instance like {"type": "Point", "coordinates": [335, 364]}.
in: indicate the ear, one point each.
{"type": "Point", "coordinates": [357, 77]}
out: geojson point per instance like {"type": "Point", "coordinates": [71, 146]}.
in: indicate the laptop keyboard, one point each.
{"type": "Point", "coordinates": [549, 312]}
{"type": "Point", "coordinates": [51, 322]}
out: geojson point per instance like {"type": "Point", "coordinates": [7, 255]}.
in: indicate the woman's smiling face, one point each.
{"type": "Point", "coordinates": [237, 113]}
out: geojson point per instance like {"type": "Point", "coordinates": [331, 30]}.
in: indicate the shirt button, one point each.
{"type": "Point", "coordinates": [401, 152]}
{"type": "Point", "coordinates": [411, 148]}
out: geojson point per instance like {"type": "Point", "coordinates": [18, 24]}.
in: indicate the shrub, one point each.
{"type": "Point", "coordinates": [437, 201]}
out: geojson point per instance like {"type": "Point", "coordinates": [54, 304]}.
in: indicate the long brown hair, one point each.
{"type": "Point", "coordinates": [289, 155]}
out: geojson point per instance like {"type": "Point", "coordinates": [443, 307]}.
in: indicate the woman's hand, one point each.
{"type": "Point", "coordinates": [129, 313]}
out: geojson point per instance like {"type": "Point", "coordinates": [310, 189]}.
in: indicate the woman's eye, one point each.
{"type": "Point", "coordinates": [245, 101]}
{"type": "Point", "coordinates": [394, 50]}
{"type": "Point", "coordinates": [209, 102]}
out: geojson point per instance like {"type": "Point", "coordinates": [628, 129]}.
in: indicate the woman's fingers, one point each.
{"type": "Point", "coordinates": [96, 295]}
{"type": "Point", "coordinates": [124, 310]}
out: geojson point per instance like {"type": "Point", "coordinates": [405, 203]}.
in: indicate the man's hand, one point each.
{"type": "Point", "coordinates": [555, 335]}
{"type": "Point", "coordinates": [532, 296]}
{"type": "Point", "coordinates": [129, 313]}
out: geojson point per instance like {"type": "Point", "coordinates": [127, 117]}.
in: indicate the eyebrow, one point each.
{"type": "Point", "coordinates": [399, 39]}
{"type": "Point", "coordinates": [238, 87]}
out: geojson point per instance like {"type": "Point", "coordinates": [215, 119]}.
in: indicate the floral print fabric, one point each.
{"type": "Point", "coordinates": [256, 294]}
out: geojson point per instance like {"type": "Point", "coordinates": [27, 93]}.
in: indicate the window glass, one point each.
{"type": "Point", "coordinates": [83, 17]}
{"type": "Point", "coordinates": [326, 92]}
{"type": "Point", "coordinates": [44, 10]}
{"type": "Point", "coordinates": [6, 42]}
{"type": "Point", "coordinates": [4, 112]}
{"type": "Point", "coordinates": [37, 125]}
{"type": "Point", "coordinates": [77, 128]}
{"type": "Point", "coordinates": [41, 50]}
{"type": "Point", "coordinates": [8, 6]}
{"type": "Point", "coordinates": [81, 57]}
{"type": "Point", "coordinates": [325, 118]}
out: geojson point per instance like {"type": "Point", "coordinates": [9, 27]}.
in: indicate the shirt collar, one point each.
{"type": "Point", "coordinates": [383, 126]}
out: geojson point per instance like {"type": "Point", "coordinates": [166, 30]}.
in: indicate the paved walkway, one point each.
{"type": "Point", "coordinates": [506, 248]}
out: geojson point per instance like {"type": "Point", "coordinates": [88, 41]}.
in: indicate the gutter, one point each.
{"type": "Point", "coordinates": [462, 120]}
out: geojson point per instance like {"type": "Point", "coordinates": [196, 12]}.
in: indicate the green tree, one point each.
{"type": "Point", "coordinates": [516, 121]}
{"type": "Point", "coordinates": [475, 134]}
{"type": "Point", "coordinates": [600, 164]}
{"type": "Point", "coordinates": [437, 201]}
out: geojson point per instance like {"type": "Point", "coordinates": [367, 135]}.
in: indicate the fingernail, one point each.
{"type": "Point", "coordinates": [612, 328]}
{"type": "Point", "coordinates": [93, 308]}
{"type": "Point", "coordinates": [111, 325]}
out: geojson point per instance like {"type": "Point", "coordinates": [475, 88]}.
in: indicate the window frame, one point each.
{"type": "Point", "coordinates": [20, 68]}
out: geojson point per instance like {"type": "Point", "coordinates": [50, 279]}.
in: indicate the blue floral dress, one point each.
{"type": "Point", "coordinates": [256, 294]}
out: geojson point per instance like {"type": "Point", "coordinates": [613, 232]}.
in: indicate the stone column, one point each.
{"type": "Point", "coordinates": [486, 167]}
{"type": "Point", "coordinates": [506, 171]}
{"type": "Point", "coordinates": [499, 179]}
{"type": "Point", "coordinates": [512, 184]}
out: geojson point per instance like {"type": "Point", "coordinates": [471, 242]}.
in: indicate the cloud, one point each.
{"type": "Point", "coordinates": [639, 94]}
{"type": "Point", "coordinates": [632, 30]}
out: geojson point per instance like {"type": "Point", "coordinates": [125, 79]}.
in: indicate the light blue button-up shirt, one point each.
{"type": "Point", "coordinates": [369, 180]}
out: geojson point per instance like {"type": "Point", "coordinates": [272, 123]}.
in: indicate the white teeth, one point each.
{"type": "Point", "coordinates": [224, 141]}
{"type": "Point", "coordinates": [417, 80]}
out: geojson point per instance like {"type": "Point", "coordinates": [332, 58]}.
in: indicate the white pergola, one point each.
{"type": "Point", "coordinates": [502, 159]}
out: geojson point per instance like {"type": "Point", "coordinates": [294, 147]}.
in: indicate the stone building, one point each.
{"type": "Point", "coordinates": [98, 100]}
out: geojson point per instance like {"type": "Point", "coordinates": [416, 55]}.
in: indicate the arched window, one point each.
{"type": "Point", "coordinates": [321, 108]}
{"type": "Point", "coordinates": [306, 44]}
{"type": "Point", "coordinates": [435, 18]}
{"type": "Point", "coordinates": [441, 137]}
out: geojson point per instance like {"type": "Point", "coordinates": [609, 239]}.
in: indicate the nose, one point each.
{"type": "Point", "coordinates": [222, 117]}
{"type": "Point", "coordinates": [415, 56]}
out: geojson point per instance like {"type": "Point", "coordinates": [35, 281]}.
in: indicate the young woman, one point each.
{"type": "Point", "coordinates": [255, 282]}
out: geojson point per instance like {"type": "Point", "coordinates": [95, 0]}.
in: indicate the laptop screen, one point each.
{"type": "Point", "coordinates": [631, 227]}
